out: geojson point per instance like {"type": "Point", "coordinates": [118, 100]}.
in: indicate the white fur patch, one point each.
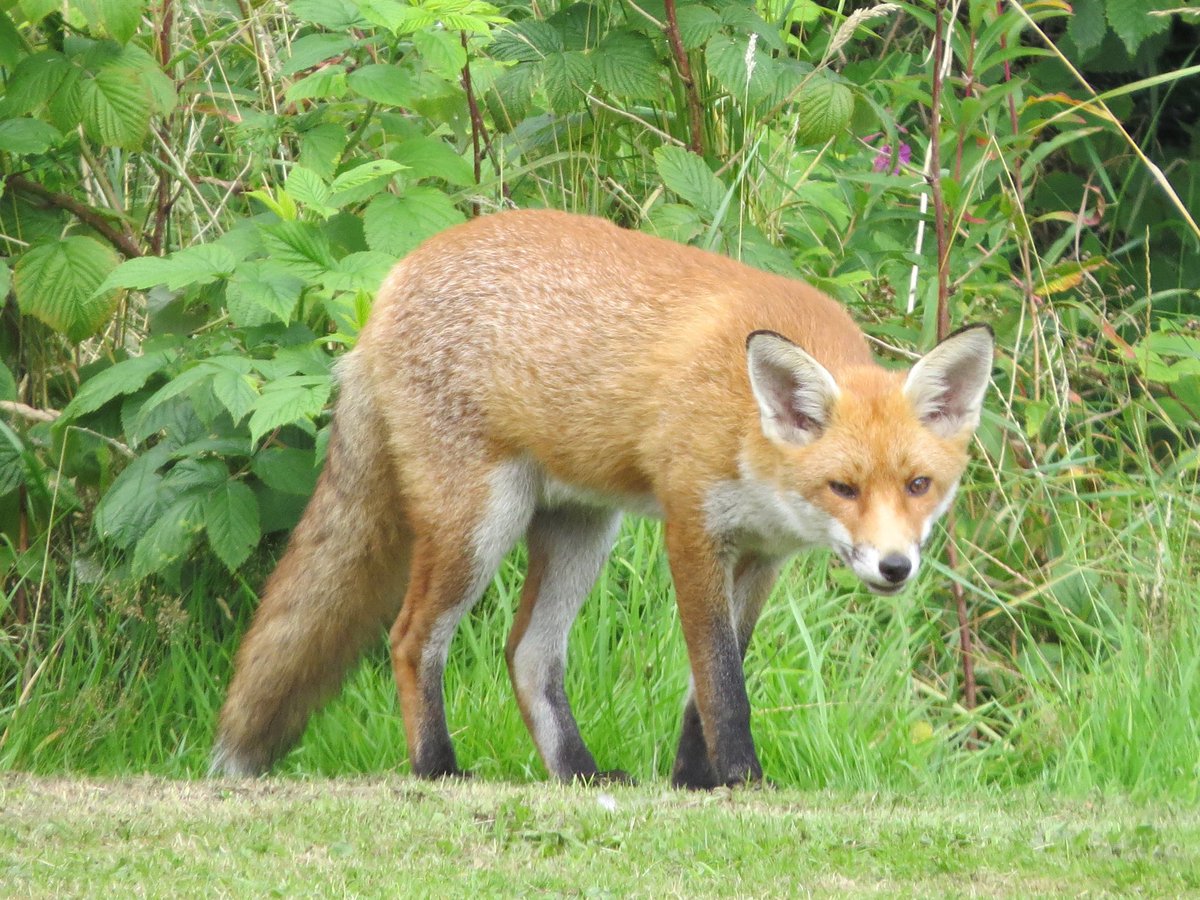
{"type": "Point", "coordinates": [575, 553]}
{"type": "Point", "coordinates": [555, 493]}
{"type": "Point", "coordinates": [509, 509]}
{"type": "Point", "coordinates": [754, 514]}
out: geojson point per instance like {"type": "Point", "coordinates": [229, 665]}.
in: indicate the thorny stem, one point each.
{"type": "Point", "coordinates": [87, 214]}
{"type": "Point", "coordinates": [479, 137]}
{"type": "Point", "coordinates": [695, 117]}
{"type": "Point", "coordinates": [966, 639]}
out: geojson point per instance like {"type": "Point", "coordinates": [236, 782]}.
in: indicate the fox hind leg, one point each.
{"type": "Point", "coordinates": [455, 556]}
{"type": "Point", "coordinates": [567, 548]}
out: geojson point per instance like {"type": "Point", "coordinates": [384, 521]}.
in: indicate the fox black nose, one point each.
{"type": "Point", "coordinates": [895, 568]}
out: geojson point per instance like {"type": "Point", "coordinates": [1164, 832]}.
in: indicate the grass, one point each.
{"type": "Point", "coordinates": [369, 837]}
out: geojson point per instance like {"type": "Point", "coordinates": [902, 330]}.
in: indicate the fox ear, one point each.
{"type": "Point", "coordinates": [947, 384]}
{"type": "Point", "coordinates": [793, 390]}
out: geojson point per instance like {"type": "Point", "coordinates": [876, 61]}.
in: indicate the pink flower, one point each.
{"type": "Point", "coordinates": [883, 158]}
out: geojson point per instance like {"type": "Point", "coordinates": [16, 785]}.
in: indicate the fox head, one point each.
{"type": "Point", "coordinates": [867, 461]}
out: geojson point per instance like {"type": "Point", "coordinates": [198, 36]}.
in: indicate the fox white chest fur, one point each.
{"type": "Point", "coordinates": [532, 374]}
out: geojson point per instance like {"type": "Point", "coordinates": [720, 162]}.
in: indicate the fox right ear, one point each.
{"type": "Point", "coordinates": [793, 390]}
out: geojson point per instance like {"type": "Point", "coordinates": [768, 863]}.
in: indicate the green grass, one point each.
{"type": "Point", "coordinates": [387, 837]}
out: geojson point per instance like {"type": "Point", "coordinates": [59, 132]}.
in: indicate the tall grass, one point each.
{"type": "Point", "coordinates": [849, 690]}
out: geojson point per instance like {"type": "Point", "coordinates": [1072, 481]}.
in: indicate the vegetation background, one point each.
{"type": "Point", "coordinates": [198, 200]}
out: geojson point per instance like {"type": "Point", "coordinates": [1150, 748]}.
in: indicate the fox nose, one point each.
{"type": "Point", "coordinates": [895, 567]}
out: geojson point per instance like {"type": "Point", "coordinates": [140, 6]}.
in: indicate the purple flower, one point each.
{"type": "Point", "coordinates": [883, 158]}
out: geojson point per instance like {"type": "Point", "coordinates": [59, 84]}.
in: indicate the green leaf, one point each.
{"type": "Point", "coordinates": [36, 79]}
{"type": "Point", "coordinates": [231, 522]}
{"type": "Point", "coordinates": [675, 222]}
{"type": "Point", "coordinates": [125, 377]}
{"type": "Point", "coordinates": [396, 225]}
{"type": "Point", "coordinates": [287, 470]}
{"type": "Point", "coordinates": [189, 474]}
{"type": "Point", "coordinates": [314, 48]}
{"type": "Point", "coordinates": [134, 500]}
{"type": "Point", "coordinates": [442, 51]}
{"type": "Point", "coordinates": [430, 157]}
{"type": "Point", "coordinates": [309, 189]}
{"type": "Point", "coordinates": [119, 19]}
{"type": "Point", "coordinates": [626, 65]}
{"type": "Point", "coordinates": [688, 175]}
{"type": "Point", "coordinates": [237, 393]}
{"type": "Point", "coordinates": [328, 83]}
{"type": "Point", "coordinates": [727, 58]}
{"type": "Point", "coordinates": [191, 267]}
{"type": "Point", "coordinates": [1087, 26]}
{"type": "Point", "coordinates": [321, 148]}
{"type": "Point", "coordinates": [364, 181]}
{"type": "Point", "coordinates": [359, 272]}
{"type": "Point", "coordinates": [170, 537]}
{"type": "Point", "coordinates": [8, 383]}
{"type": "Point", "coordinates": [386, 84]}
{"type": "Point", "coordinates": [12, 45]}
{"type": "Point", "coordinates": [567, 77]}
{"type": "Point", "coordinates": [300, 248]}
{"type": "Point", "coordinates": [26, 136]}
{"type": "Point", "coordinates": [292, 399]}
{"type": "Point", "coordinates": [1132, 22]}
{"type": "Point", "coordinates": [696, 25]}
{"type": "Point", "coordinates": [36, 10]}
{"type": "Point", "coordinates": [116, 107]}
{"type": "Point", "coordinates": [527, 41]}
{"type": "Point", "coordinates": [336, 15]}
{"type": "Point", "coordinates": [823, 110]}
{"type": "Point", "coordinates": [57, 284]}
{"type": "Point", "coordinates": [13, 469]}
{"type": "Point", "coordinates": [260, 292]}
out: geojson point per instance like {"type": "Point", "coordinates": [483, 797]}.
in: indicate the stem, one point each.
{"type": "Point", "coordinates": [21, 601]}
{"type": "Point", "coordinates": [695, 117]}
{"type": "Point", "coordinates": [478, 128]}
{"type": "Point", "coordinates": [965, 637]}
{"type": "Point", "coordinates": [163, 201]}
{"type": "Point", "coordinates": [89, 215]}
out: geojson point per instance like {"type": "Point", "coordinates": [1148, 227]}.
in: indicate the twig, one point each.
{"type": "Point", "coordinates": [89, 215]}
{"type": "Point", "coordinates": [695, 117]}
{"type": "Point", "coordinates": [28, 413]}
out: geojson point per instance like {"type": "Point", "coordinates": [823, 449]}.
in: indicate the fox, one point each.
{"type": "Point", "coordinates": [536, 374]}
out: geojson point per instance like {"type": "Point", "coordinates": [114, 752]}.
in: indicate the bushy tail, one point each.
{"type": "Point", "coordinates": [340, 582]}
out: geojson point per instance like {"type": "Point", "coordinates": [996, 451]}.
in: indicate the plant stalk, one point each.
{"type": "Point", "coordinates": [695, 116]}
{"type": "Point", "coordinates": [965, 636]}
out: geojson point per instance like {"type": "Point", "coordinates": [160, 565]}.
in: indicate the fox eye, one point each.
{"type": "Point", "coordinates": [843, 490]}
{"type": "Point", "coordinates": [919, 486]}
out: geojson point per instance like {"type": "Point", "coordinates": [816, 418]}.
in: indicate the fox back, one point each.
{"type": "Point", "coordinates": [532, 374]}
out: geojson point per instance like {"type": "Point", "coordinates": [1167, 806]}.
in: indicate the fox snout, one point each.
{"type": "Point", "coordinates": [883, 573]}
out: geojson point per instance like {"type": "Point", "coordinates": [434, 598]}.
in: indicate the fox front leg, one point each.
{"type": "Point", "coordinates": [753, 578]}
{"type": "Point", "coordinates": [703, 591]}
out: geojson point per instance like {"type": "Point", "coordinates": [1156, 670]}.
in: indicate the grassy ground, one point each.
{"type": "Point", "coordinates": [398, 836]}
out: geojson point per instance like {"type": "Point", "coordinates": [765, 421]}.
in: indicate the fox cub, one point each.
{"type": "Point", "coordinates": [532, 374]}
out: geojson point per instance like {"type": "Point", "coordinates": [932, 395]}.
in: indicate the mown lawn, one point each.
{"type": "Point", "coordinates": [399, 837]}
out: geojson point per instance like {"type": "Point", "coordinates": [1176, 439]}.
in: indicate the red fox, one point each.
{"type": "Point", "coordinates": [534, 373]}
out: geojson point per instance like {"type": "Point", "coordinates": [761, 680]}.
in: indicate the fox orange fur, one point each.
{"type": "Point", "coordinates": [531, 374]}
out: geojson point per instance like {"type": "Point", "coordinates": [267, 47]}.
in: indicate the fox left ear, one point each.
{"type": "Point", "coordinates": [947, 384]}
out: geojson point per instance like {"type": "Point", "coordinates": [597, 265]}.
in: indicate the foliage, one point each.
{"type": "Point", "coordinates": [202, 199]}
